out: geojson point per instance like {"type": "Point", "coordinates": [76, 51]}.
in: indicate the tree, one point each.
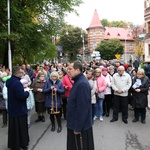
{"type": "Point", "coordinates": [27, 17]}
{"type": "Point", "coordinates": [121, 24]}
{"type": "Point", "coordinates": [71, 42]}
{"type": "Point", "coordinates": [139, 43]}
{"type": "Point", "coordinates": [105, 22]}
{"type": "Point", "coordinates": [109, 48]}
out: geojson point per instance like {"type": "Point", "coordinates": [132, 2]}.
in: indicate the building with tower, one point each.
{"type": "Point", "coordinates": [97, 32]}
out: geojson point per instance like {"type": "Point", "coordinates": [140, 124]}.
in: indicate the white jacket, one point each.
{"type": "Point", "coordinates": [121, 83]}
{"type": "Point", "coordinates": [93, 86]}
{"type": "Point", "coordinates": [108, 79]}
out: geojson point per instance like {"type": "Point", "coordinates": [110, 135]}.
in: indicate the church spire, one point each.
{"type": "Point", "coordinates": [95, 21]}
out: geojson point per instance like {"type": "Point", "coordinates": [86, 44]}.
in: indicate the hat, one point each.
{"type": "Point", "coordinates": [104, 69]}
{"type": "Point", "coordinates": [24, 81]}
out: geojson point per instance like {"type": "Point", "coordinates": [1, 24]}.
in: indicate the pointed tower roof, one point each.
{"type": "Point", "coordinates": [95, 21]}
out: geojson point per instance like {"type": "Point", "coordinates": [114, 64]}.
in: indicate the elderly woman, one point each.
{"type": "Point", "coordinates": [139, 95]}
{"type": "Point", "coordinates": [53, 89]}
{"type": "Point", "coordinates": [39, 96]}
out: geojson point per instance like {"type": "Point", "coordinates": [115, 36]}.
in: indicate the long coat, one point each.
{"type": "Point", "coordinates": [139, 99]}
{"type": "Point", "coordinates": [48, 91]}
{"type": "Point", "coordinates": [38, 96]}
{"type": "Point", "coordinates": [79, 108]}
{"type": "Point", "coordinates": [16, 97]}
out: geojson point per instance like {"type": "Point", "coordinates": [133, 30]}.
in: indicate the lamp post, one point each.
{"type": "Point", "coordinates": [83, 51]}
{"type": "Point", "coordinates": [9, 44]}
{"type": "Point", "coordinates": [125, 54]}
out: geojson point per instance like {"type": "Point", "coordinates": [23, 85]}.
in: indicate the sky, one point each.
{"type": "Point", "coordinates": [112, 10]}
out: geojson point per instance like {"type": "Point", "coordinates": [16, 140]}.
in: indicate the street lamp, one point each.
{"type": "Point", "coordinates": [9, 44]}
{"type": "Point", "coordinates": [82, 36]}
{"type": "Point", "coordinates": [125, 54]}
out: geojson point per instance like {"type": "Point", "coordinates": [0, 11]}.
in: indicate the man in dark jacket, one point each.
{"type": "Point", "coordinates": [30, 72]}
{"type": "Point", "coordinates": [79, 110]}
{"type": "Point", "coordinates": [17, 110]}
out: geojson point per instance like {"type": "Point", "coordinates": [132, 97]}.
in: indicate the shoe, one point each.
{"type": "Point", "coordinates": [143, 121]}
{"type": "Point", "coordinates": [107, 114]}
{"type": "Point", "coordinates": [101, 118]}
{"type": "Point", "coordinates": [113, 120]}
{"type": "Point", "coordinates": [4, 125]}
{"type": "Point", "coordinates": [42, 118]}
{"type": "Point", "coordinates": [24, 148]}
{"type": "Point", "coordinates": [104, 114]}
{"type": "Point", "coordinates": [125, 121]}
{"type": "Point", "coordinates": [135, 120]}
{"type": "Point", "coordinates": [59, 129]}
{"type": "Point", "coordinates": [94, 118]}
{"type": "Point", "coordinates": [38, 119]}
{"type": "Point", "coordinates": [53, 128]}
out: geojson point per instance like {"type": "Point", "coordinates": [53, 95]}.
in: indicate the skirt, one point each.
{"type": "Point", "coordinates": [39, 107]}
{"type": "Point", "coordinates": [83, 141]}
{"type": "Point", "coordinates": [18, 135]}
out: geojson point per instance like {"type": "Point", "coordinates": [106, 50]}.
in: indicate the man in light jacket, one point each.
{"type": "Point", "coordinates": [121, 83]}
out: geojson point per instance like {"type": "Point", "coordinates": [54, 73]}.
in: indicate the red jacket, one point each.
{"type": "Point", "coordinates": [67, 83]}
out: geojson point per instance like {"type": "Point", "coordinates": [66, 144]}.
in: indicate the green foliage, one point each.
{"type": "Point", "coordinates": [27, 18]}
{"type": "Point", "coordinates": [121, 24]}
{"type": "Point", "coordinates": [72, 42]}
{"type": "Point", "coordinates": [108, 49]}
{"type": "Point", "coordinates": [105, 22]}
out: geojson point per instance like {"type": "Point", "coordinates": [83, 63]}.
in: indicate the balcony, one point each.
{"type": "Point", "coordinates": [147, 10]}
{"type": "Point", "coordinates": [147, 36]}
{"type": "Point", "coordinates": [147, 14]}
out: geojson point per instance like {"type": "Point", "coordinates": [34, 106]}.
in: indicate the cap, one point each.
{"type": "Point", "coordinates": [24, 81]}
{"type": "Point", "coordinates": [104, 69]}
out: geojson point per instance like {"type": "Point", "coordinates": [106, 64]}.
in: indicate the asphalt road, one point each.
{"type": "Point", "coordinates": [107, 136]}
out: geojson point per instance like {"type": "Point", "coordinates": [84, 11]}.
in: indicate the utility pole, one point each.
{"type": "Point", "coordinates": [9, 44]}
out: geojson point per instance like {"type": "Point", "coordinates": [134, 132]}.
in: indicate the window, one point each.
{"type": "Point", "coordinates": [118, 34]}
{"type": "Point", "coordinates": [108, 34]}
{"type": "Point", "coordinates": [148, 27]}
{"type": "Point", "coordinates": [94, 33]}
{"type": "Point", "coordinates": [148, 49]}
{"type": "Point", "coordinates": [101, 33]}
{"type": "Point", "coordinates": [131, 47]}
{"type": "Point", "coordinates": [94, 45]}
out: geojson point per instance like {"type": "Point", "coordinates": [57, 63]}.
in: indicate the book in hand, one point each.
{"type": "Point", "coordinates": [137, 84]}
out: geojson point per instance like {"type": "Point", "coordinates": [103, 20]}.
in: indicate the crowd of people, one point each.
{"type": "Point", "coordinates": [78, 92]}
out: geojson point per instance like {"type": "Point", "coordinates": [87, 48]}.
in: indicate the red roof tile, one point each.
{"type": "Point", "coordinates": [95, 21]}
{"type": "Point", "coordinates": [119, 33]}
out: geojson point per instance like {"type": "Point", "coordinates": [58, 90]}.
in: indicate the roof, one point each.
{"type": "Point", "coordinates": [95, 21]}
{"type": "Point", "coordinates": [119, 33]}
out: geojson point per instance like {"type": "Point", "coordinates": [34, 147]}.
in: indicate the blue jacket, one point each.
{"type": "Point", "coordinates": [47, 90]}
{"type": "Point", "coordinates": [79, 108]}
{"type": "Point", "coordinates": [16, 97]}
